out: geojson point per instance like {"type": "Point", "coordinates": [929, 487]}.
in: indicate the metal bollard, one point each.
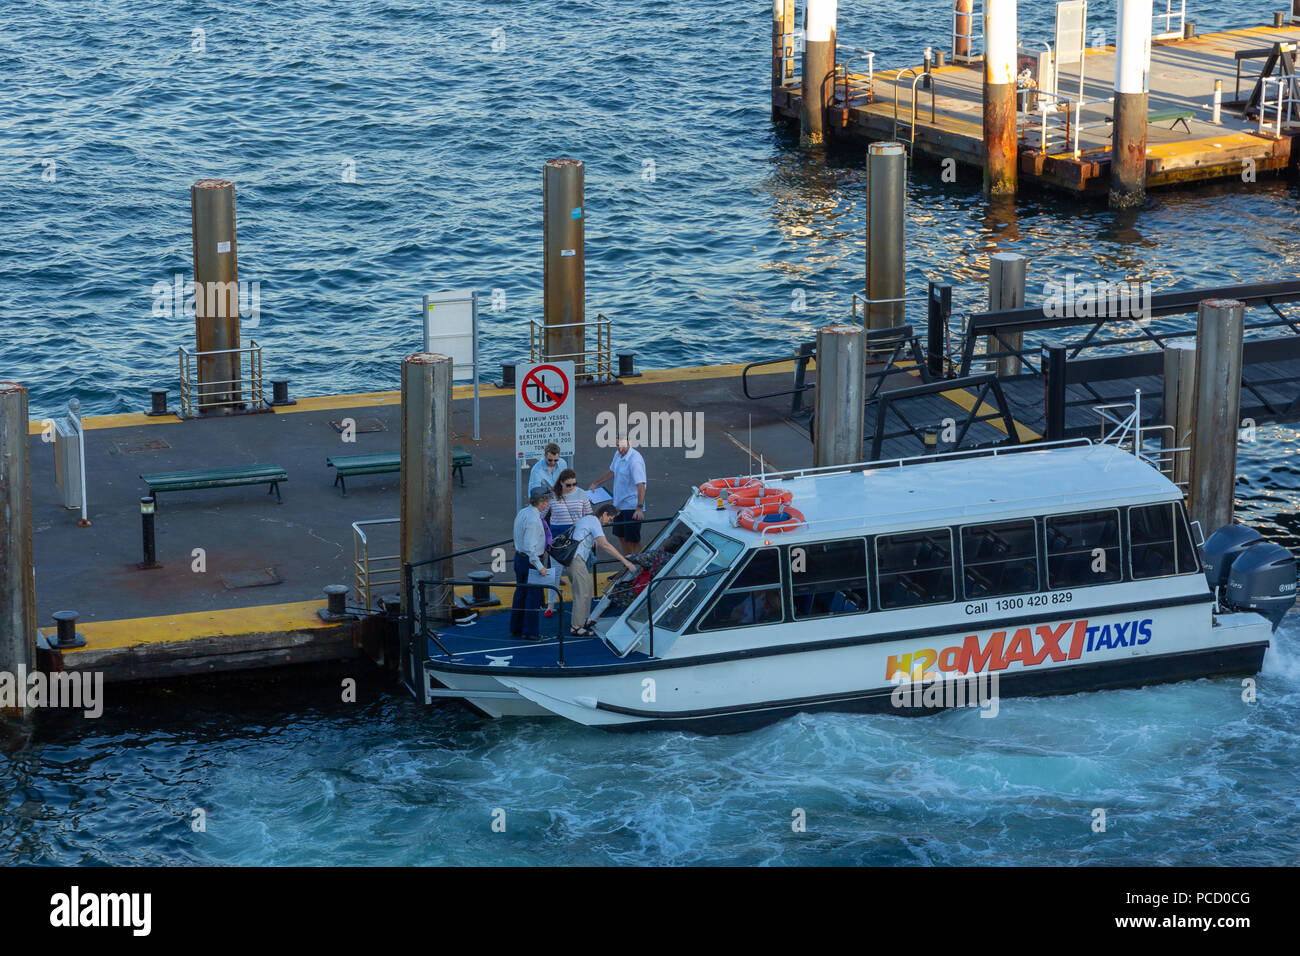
{"type": "Point", "coordinates": [626, 368]}
{"type": "Point", "coordinates": [336, 608]}
{"type": "Point", "coordinates": [157, 403]}
{"type": "Point", "coordinates": [147, 510]}
{"type": "Point", "coordinates": [481, 595]}
{"type": "Point", "coordinates": [66, 635]}
{"type": "Point", "coordinates": [1279, 20]}
{"type": "Point", "coordinates": [1189, 29]}
{"type": "Point", "coordinates": [280, 392]}
{"type": "Point", "coordinates": [507, 374]}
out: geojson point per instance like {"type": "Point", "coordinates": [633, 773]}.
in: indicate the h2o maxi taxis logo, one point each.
{"type": "Point", "coordinates": [1031, 646]}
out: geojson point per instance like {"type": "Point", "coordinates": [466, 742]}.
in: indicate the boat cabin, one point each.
{"type": "Point", "coordinates": [911, 543]}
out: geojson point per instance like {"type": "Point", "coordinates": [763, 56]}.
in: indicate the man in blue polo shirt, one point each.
{"type": "Point", "coordinates": [628, 471]}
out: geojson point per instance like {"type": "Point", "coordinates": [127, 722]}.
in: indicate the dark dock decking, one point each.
{"type": "Point", "coordinates": [948, 119]}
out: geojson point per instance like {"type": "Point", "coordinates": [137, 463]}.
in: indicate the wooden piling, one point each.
{"type": "Point", "coordinates": [1219, 331]}
{"type": "Point", "coordinates": [425, 489]}
{"type": "Point", "coordinates": [1000, 97]}
{"type": "Point", "coordinates": [564, 262]}
{"type": "Point", "coordinates": [818, 68]}
{"type": "Point", "coordinates": [782, 48]}
{"type": "Point", "coordinates": [841, 404]}
{"type": "Point", "coordinates": [1128, 156]}
{"type": "Point", "coordinates": [216, 295]}
{"type": "Point", "coordinates": [1006, 291]}
{"type": "Point", "coordinates": [962, 30]}
{"type": "Point", "coordinates": [17, 570]}
{"type": "Point", "coordinates": [1180, 406]}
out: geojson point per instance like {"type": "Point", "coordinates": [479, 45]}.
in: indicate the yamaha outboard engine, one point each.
{"type": "Point", "coordinates": [1262, 580]}
{"type": "Point", "coordinates": [1222, 549]}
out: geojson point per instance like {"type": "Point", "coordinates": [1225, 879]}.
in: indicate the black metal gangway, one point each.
{"type": "Point", "coordinates": [914, 403]}
{"type": "Point", "coordinates": [1069, 364]}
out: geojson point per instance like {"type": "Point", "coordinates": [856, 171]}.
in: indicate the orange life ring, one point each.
{"type": "Point", "coordinates": [771, 518]}
{"type": "Point", "coordinates": [759, 496]}
{"type": "Point", "coordinates": [714, 488]}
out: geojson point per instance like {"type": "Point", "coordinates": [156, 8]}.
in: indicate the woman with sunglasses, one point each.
{"type": "Point", "coordinates": [570, 504]}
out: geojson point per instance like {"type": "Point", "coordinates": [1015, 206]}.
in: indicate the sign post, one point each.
{"type": "Point", "coordinates": [544, 413]}
{"type": "Point", "coordinates": [451, 327]}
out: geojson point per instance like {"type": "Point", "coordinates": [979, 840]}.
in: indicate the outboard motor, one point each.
{"type": "Point", "coordinates": [1222, 549]}
{"type": "Point", "coordinates": [1262, 580]}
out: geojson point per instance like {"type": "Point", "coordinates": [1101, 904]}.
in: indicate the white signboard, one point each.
{"type": "Point", "coordinates": [544, 409]}
{"type": "Point", "coordinates": [450, 322]}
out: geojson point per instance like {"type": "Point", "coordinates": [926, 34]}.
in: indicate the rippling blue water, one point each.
{"type": "Point", "coordinates": [447, 137]}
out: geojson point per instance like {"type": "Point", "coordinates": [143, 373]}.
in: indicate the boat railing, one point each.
{"type": "Point", "coordinates": [429, 601]}
{"type": "Point", "coordinates": [996, 450]}
{"type": "Point", "coordinates": [1127, 432]}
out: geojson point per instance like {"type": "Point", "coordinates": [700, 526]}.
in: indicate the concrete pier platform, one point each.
{"type": "Point", "coordinates": [1181, 80]}
{"type": "Point", "coordinates": [242, 575]}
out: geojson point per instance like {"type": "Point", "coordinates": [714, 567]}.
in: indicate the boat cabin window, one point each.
{"type": "Point", "coordinates": [1083, 549]}
{"type": "Point", "coordinates": [678, 589]}
{"type": "Point", "coordinates": [914, 568]}
{"type": "Point", "coordinates": [754, 597]}
{"type": "Point", "coordinates": [828, 578]}
{"type": "Point", "coordinates": [999, 559]}
{"type": "Point", "coordinates": [1189, 562]}
{"type": "Point", "coordinates": [1159, 542]}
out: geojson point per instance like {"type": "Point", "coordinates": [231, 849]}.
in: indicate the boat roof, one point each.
{"type": "Point", "coordinates": [917, 494]}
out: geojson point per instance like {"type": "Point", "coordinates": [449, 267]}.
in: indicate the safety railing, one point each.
{"type": "Point", "coordinates": [1060, 122]}
{"type": "Point", "coordinates": [856, 87]}
{"type": "Point", "coordinates": [1282, 103]}
{"type": "Point", "coordinates": [916, 78]}
{"type": "Point", "coordinates": [592, 362]}
{"type": "Point", "coordinates": [200, 393]}
{"type": "Point", "coordinates": [373, 572]}
{"type": "Point", "coordinates": [967, 32]}
{"type": "Point", "coordinates": [1174, 13]}
{"type": "Point", "coordinates": [425, 596]}
{"type": "Point", "coordinates": [1126, 431]}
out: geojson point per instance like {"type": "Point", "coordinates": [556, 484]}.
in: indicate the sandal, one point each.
{"type": "Point", "coordinates": [584, 631]}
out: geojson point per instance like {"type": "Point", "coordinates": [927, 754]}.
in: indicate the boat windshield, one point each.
{"type": "Point", "coordinates": [680, 587]}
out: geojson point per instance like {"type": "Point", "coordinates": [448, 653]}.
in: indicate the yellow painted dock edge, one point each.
{"type": "Point", "coordinates": [236, 622]}
{"type": "Point", "coordinates": [376, 399]}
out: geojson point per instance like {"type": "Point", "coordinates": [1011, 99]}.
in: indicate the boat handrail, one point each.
{"type": "Point", "coordinates": [994, 451]}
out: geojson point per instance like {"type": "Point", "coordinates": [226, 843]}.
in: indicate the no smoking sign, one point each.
{"type": "Point", "coordinates": [544, 408]}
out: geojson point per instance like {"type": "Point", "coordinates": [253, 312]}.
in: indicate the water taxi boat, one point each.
{"type": "Point", "coordinates": [1049, 568]}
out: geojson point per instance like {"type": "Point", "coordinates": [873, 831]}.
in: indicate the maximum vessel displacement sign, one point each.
{"type": "Point", "coordinates": [544, 408]}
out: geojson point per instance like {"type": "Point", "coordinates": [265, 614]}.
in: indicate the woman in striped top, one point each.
{"type": "Point", "coordinates": [570, 504]}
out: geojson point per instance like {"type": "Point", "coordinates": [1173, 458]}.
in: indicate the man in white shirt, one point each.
{"type": "Point", "coordinates": [547, 470]}
{"type": "Point", "coordinates": [530, 549]}
{"type": "Point", "coordinates": [628, 471]}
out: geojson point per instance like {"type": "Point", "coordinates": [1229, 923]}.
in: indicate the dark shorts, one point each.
{"type": "Point", "coordinates": [625, 528]}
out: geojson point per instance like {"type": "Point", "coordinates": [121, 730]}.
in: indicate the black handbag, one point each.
{"type": "Point", "coordinates": [563, 547]}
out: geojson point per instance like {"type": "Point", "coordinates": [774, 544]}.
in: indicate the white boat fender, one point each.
{"type": "Point", "coordinates": [588, 702]}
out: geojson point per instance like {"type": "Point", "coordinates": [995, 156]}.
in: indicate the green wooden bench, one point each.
{"type": "Point", "coordinates": [1173, 117]}
{"type": "Point", "coordinates": [263, 474]}
{"type": "Point", "coordinates": [346, 466]}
